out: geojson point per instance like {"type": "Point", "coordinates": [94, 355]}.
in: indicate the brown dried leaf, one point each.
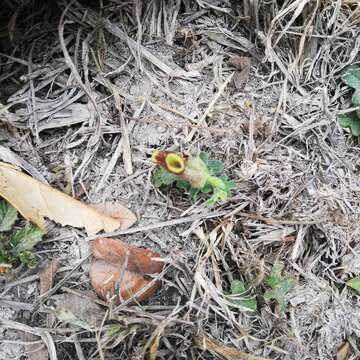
{"type": "Point", "coordinates": [243, 65]}
{"type": "Point", "coordinates": [36, 351]}
{"type": "Point", "coordinates": [227, 352]}
{"type": "Point", "coordinates": [35, 200]}
{"type": "Point", "coordinates": [343, 351]}
{"type": "Point", "coordinates": [118, 270]}
{"type": "Point", "coordinates": [138, 260]}
{"type": "Point", "coordinates": [47, 274]}
{"type": "Point", "coordinates": [83, 309]}
{"type": "Point", "coordinates": [154, 347]}
{"type": "Point", "coordinates": [109, 280]}
{"type": "Point", "coordinates": [127, 218]}
{"type": "Point", "coordinates": [240, 62]}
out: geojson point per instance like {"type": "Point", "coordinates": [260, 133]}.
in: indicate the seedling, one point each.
{"type": "Point", "coordinates": [279, 284]}
{"type": "Point", "coordinates": [195, 175]}
{"type": "Point", "coordinates": [354, 283]}
{"type": "Point", "coordinates": [351, 77]}
{"type": "Point", "coordinates": [238, 288]}
{"type": "Point", "coordinates": [16, 244]}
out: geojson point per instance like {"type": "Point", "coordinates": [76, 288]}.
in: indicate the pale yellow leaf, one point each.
{"type": "Point", "coordinates": [35, 351]}
{"type": "Point", "coordinates": [343, 351]}
{"type": "Point", "coordinates": [218, 349]}
{"type": "Point", "coordinates": [35, 200]}
{"type": "Point", "coordinates": [154, 347]}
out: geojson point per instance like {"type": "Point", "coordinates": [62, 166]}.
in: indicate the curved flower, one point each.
{"type": "Point", "coordinates": [197, 172]}
{"type": "Point", "coordinates": [191, 169]}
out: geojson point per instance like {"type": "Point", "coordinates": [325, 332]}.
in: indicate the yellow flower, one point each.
{"type": "Point", "coordinates": [191, 169]}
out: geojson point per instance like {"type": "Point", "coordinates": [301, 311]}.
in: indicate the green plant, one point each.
{"type": "Point", "coordinates": [279, 286]}
{"type": "Point", "coordinates": [16, 245]}
{"type": "Point", "coordinates": [354, 283]}
{"type": "Point", "coordinates": [238, 288]}
{"type": "Point", "coordinates": [196, 175]}
{"type": "Point", "coordinates": [351, 77]}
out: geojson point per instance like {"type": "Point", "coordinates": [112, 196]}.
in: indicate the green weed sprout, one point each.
{"type": "Point", "coordinates": [193, 174]}
{"type": "Point", "coordinates": [351, 77]}
{"type": "Point", "coordinates": [238, 288]}
{"type": "Point", "coordinates": [280, 285]}
{"type": "Point", "coordinates": [16, 244]}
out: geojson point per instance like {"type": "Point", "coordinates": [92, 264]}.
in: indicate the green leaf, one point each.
{"type": "Point", "coordinates": [280, 286]}
{"type": "Point", "coordinates": [182, 184]}
{"type": "Point", "coordinates": [194, 193]}
{"type": "Point", "coordinates": [4, 257]}
{"type": "Point", "coordinates": [237, 287]}
{"type": "Point", "coordinates": [219, 195]}
{"type": "Point", "coordinates": [220, 186]}
{"type": "Point", "coordinates": [25, 239]}
{"type": "Point", "coordinates": [204, 156]}
{"type": "Point", "coordinates": [68, 316]}
{"type": "Point", "coordinates": [230, 184]}
{"type": "Point", "coordinates": [162, 177]}
{"type": "Point", "coordinates": [206, 189]}
{"type": "Point", "coordinates": [356, 98]}
{"type": "Point", "coordinates": [351, 121]}
{"type": "Point", "coordinates": [28, 258]}
{"type": "Point", "coordinates": [216, 167]}
{"type": "Point", "coordinates": [114, 329]}
{"type": "Point", "coordinates": [351, 76]}
{"type": "Point", "coordinates": [8, 216]}
{"type": "Point", "coordinates": [354, 283]}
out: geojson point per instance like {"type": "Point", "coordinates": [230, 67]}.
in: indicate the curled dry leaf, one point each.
{"type": "Point", "coordinates": [77, 310]}
{"type": "Point", "coordinates": [138, 260]}
{"type": "Point", "coordinates": [120, 271]}
{"type": "Point", "coordinates": [227, 352]}
{"type": "Point", "coordinates": [46, 275]}
{"type": "Point", "coordinates": [117, 211]}
{"type": "Point", "coordinates": [35, 200]}
{"type": "Point", "coordinates": [343, 351]}
{"type": "Point", "coordinates": [37, 350]}
{"type": "Point", "coordinates": [243, 65]}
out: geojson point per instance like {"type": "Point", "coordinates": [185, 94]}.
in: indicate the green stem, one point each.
{"type": "Point", "coordinates": [216, 182]}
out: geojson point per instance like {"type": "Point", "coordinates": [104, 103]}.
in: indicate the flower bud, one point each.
{"type": "Point", "coordinates": [191, 169]}
{"type": "Point", "coordinates": [196, 172]}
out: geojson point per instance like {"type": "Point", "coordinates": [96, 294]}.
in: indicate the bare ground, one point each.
{"type": "Point", "coordinates": [170, 65]}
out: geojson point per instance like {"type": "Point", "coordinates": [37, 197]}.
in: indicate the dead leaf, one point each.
{"type": "Point", "coordinates": [227, 352]}
{"type": "Point", "coordinates": [343, 351]}
{"type": "Point", "coordinates": [138, 260]}
{"type": "Point", "coordinates": [47, 274]}
{"type": "Point", "coordinates": [117, 211]}
{"type": "Point", "coordinates": [10, 157]}
{"type": "Point", "coordinates": [77, 310]}
{"type": "Point", "coordinates": [243, 65]}
{"type": "Point", "coordinates": [154, 347]}
{"type": "Point", "coordinates": [35, 351]}
{"type": "Point", "coordinates": [109, 280]}
{"type": "Point", "coordinates": [119, 270]}
{"type": "Point", "coordinates": [35, 200]}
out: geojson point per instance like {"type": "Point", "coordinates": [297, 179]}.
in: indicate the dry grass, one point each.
{"type": "Point", "coordinates": [89, 89]}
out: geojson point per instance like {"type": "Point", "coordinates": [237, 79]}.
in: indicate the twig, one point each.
{"type": "Point", "coordinates": [159, 225]}
{"type": "Point", "coordinates": [68, 59]}
{"type": "Point", "coordinates": [125, 136]}
{"type": "Point", "coordinates": [43, 297]}
{"type": "Point", "coordinates": [210, 107]}
{"type": "Point", "coordinates": [45, 336]}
